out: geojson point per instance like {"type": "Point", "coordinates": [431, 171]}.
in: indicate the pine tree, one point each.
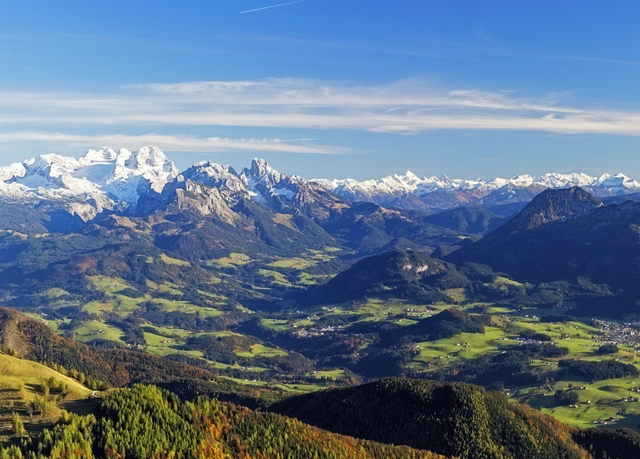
{"type": "Point", "coordinates": [17, 425]}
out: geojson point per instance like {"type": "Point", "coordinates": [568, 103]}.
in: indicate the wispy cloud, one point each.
{"type": "Point", "coordinates": [272, 6]}
{"type": "Point", "coordinates": [403, 107]}
{"type": "Point", "coordinates": [172, 142]}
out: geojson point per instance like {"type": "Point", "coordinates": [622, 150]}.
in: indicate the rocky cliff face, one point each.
{"type": "Point", "coordinates": [196, 198]}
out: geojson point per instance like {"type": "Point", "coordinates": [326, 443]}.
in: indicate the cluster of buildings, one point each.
{"type": "Point", "coordinates": [321, 331]}
{"type": "Point", "coordinates": [620, 333]}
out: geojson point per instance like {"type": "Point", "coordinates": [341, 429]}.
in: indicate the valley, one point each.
{"type": "Point", "coordinates": [345, 332]}
{"type": "Point", "coordinates": [257, 287]}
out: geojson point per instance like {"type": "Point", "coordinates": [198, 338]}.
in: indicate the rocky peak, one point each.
{"type": "Point", "coordinates": [261, 177]}
{"type": "Point", "coordinates": [260, 168]}
{"type": "Point", "coordinates": [101, 179]}
{"type": "Point", "coordinates": [212, 174]}
{"type": "Point", "coordinates": [554, 206]}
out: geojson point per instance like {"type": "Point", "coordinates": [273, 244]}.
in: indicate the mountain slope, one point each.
{"type": "Point", "coordinates": [115, 367]}
{"type": "Point", "coordinates": [397, 272]}
{"type": "Point", "coordinates": [567, 235]}
{"type": "Point", "coordinates": [368, 228]}
{"type": "Point", "coordinates": [33, 340]}
{"type": "Point", "coordinates": [124, 181]}
{"type": "Point", "coordinates": [450, 419]}
{"type": "Point", "coordinates": [143, 421]}
{"type": "Point", "coordinates": [473, 220]}
{"type": "Point", "coordinates": [552, 206]}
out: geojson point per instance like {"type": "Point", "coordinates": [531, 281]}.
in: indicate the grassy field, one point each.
{"type": "Point", "coordinates": [236, 366]}
{"type": "Point", "coordinates": [119, 304]}
{"type": "Point", "coordinates": [504, 280]}
{"type": "Point", "coordinates": [162, 346]}
{"type": "Point", "coordinates": [334, 375]}
{"type": "Point", "coordinates": [173, 261]}
{"type": "Point", "coordinates": [14, 371]}
{"type": "Point", "coordinates": [276, 324]}
{"type": "Point", "coordinates": [54, 324]}
{"type": "Point", "coordinates": [262, 351]}
{"type": "Point", "coordinates": [98, 330]}
{"type": "Point", "coordinates": [600, 401]}
{"type": "Point", "coordinates": [22, 391]}
{"type": "Point", "coordinates": [165, 287]}
{"type": "Point", "coordinates": [306, 279]}
{"type": "Point", "coordinates": [275, 277]}
{"type": "Point", "coordinates": [233, 260]}
{"type": "Point", "coordinates": [294, 263]}
{"type": "Point", "coordinates": [170, 332]}
{"type": "Point", "coordinates": [185, 307]}
{"type": "Point", "coordinates": [295, 388]}
{"type": "Point", "coordinates": [300, 388]}
{"type": "Point", "coordinates": [465, 346]}
{"type": "Point", "coordinates": [54, 293]}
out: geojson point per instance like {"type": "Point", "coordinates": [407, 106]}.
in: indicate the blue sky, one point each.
{"type": "Point", "coordinates": [326, 87]}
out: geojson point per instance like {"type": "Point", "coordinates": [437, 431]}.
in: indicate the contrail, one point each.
{"type": "Point", "coordinates": [273, 6]}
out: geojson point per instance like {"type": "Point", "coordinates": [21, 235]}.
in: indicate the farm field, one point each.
{"type": "Point", "coordinates": [261, 350]}
{"type": "Point", "coordinates": [293, 388]}
{"type": "Point", "coordinates": [334, 375]}
{"type": "Point", "coordinates": [98, 330]}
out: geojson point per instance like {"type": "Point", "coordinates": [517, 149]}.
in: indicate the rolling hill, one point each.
{"type": "Point", "coordinates": [399, 272]}
{"type": "Point", "coordinates": [451, 419]}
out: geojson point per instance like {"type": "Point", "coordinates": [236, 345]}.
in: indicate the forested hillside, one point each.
{"type": "Point", "coordinates": [144, 421]}
{"type": "Point", "coordinates": [450, 419]}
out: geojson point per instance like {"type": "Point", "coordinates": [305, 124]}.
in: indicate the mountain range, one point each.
{"type": "Point", "coordinates": [436, 193]}
{"type": "Point", "coordinates": [140, 203]}
{"type": "Point", "coordinates": [143, 180]}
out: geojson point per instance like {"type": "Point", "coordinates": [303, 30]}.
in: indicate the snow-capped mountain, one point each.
{"type": "Point", "coordinates": [101, 179]}
{"type": "Point", "coordinates": [401, 190]}
{"type": "Point", "coordinates": [146, 180]}
{"type": "Point", "coordinates": [215, 175]}
{"type": "Point", "coordinates": [263, 184]}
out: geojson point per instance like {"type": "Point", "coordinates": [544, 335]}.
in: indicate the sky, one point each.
{"type": "Point", "coordinates": [329, 88]}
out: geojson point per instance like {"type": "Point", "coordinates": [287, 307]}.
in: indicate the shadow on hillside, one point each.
{"type": "Point", "coordinates": [82, 406]}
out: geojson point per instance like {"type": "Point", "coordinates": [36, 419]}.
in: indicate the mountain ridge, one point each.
{"type": "Point", "coordinates": [444, 192]}
{"type": "Point", "coordinates": [126, 181]}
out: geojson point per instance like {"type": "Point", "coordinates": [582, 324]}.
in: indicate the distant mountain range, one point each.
{"type": "Point", "coordinates": [145, 180]}
{"type": "Point", "coordinates": [412, 192]}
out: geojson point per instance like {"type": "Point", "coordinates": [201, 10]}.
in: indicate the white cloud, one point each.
{"type": "Point", "coordinates": [403, 107]}
{"type": "Point", "coordinates": [173, 143]}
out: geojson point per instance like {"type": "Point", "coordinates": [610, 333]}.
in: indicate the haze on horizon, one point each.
{"type": "Point", "coordinates": [321, 88]}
